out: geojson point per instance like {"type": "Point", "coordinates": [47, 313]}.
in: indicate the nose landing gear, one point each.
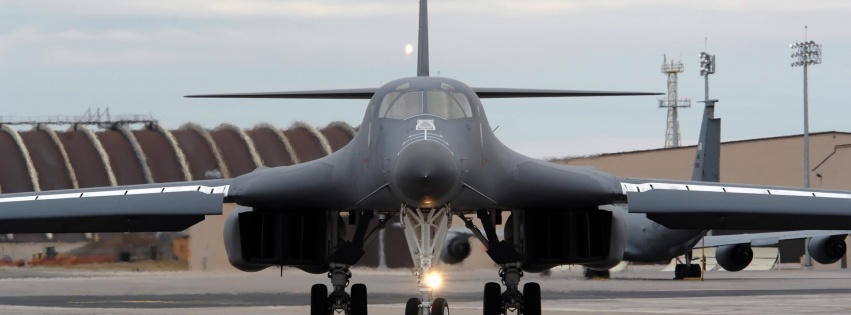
{"type": "Point", "coordinates": [425, 231]}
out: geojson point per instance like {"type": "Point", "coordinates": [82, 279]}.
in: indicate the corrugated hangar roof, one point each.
{"type": "Point", "coordinates": [43, 159]}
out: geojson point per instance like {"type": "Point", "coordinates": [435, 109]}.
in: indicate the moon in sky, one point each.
{"type": "Point", "coordinates": [409, 49]}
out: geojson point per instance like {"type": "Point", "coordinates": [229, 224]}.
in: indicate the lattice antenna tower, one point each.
{"type": "Point", "coordinates": [672, 133]}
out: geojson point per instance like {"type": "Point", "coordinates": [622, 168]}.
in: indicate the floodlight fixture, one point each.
{"type": "Point", "coordinates": [805, 53]}
{"type": "Point", "coordinates": [707, 64]}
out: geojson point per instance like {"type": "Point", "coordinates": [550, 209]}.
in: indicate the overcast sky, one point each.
{"type": "Point", "coordinates": [142, 56]}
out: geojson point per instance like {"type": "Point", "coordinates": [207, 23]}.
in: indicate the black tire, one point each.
{"type": "Point", "coordinates": [695, 271]}
{"type": "Point", "coordinates": [319, 300]}
{"type": "Point", "coordinates": [358, 300]}
{"type": "Point", "coordinates": [531, 298]}
{"type": "Point", "coordinates": [439, 307]}
{"type": "Point", "coordinates": [679, 271]}
{"type": "Point", "coordinates": [492, 299]}
{"type": "Point", "coordinates": [413, 307]}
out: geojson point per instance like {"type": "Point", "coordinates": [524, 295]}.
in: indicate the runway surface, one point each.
{"type": "Point", "coordinates": [637, 290]}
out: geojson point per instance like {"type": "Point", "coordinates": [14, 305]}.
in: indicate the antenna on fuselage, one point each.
{"type": "Point", "coordinates": [422, 45]}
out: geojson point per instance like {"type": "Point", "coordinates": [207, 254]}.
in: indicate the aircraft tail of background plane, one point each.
{"type": "Point", "coordinates": [707, 166]}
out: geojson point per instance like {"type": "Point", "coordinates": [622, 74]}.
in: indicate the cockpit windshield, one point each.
{"type": "Point", "coordinates": [443, 103]}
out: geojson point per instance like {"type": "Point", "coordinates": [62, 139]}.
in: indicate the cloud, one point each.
{"type": "Point", "coordinates": [72, 56]}
{"type": "Point", "coordinates": [75, 35]}
{"type": "Point", "coordinates": [31, 34]}
{"type": "Point", "coordinates": [220, 9]}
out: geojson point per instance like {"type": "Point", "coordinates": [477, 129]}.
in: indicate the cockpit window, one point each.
{"type": "Point", "coordinates": [464, 102]}
{"type": "Point", "coordinates": [445, 103]}
{"type": "Point", "coordinates": [404, 86]}
{"type": "Point", "coordinates": [385, 103]}
{"type": "Point", "coordinates": [406, 106]}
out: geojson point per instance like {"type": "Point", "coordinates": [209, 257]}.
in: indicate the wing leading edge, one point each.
{"type": "Point", "coordinates": [699, 205]}
{"type": "Point", "coordinates": [137, 208]}
{"type": "Point", "coordinates": [763, 239]}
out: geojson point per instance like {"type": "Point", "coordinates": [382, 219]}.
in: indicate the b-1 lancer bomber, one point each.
{"type": "Point", "coordinates": [424, 152]}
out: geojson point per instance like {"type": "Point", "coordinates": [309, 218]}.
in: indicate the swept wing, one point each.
{"type": "Point", "coordinates": [701, 205]}
{"type": "Point", "coordinates": [133, 208]}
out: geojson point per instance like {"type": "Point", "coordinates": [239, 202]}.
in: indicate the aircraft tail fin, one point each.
{"type": "Point", "coordinates": [422, 44]}
{"type": "Point", "coordinates": [707, 161]}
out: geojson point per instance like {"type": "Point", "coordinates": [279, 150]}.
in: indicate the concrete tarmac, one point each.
{"type": "Point", "coordinates": [642, 289]}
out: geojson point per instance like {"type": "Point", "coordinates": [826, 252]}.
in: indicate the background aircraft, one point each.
{"type": "Point", "coordinates": [425, 151]}
{"type": "Point", "coordinates": [651, 242]}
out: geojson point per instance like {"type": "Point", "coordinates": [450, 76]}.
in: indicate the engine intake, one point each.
{"type": "Point", "coordinates": [827, 249]}
{"type": "Point", "coordinates": [593, 238]}
{"type": "Point", "coordinates": [456, 248]}
{"type": "Point", "coordinates": [255, 240]}
{"type": "Point", "coordinates": [734, 257]}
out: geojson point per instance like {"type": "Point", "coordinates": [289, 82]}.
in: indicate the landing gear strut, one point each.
{"type": "Point", "coordinates": [346, 254]}
{"type": "Point", "coordinates": [495, 301]}
{"type": "Point", "coordinates": [687, 270]}
{"type": "Point", "coordinates": [425, 231]}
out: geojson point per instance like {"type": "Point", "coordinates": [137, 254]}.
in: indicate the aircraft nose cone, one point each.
{"type": "Point", "coordinates": [425, 174]}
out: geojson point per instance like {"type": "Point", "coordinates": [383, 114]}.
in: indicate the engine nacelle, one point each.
{"type": "Point", "coordinates": [456, 248]}
{"type": "Point", "coordinates": [827, 249]}
{"type": "Point", "coordinates": [617, 243]}
{"type": "Point", "coordinates": [594, 238]}
{"type": "Point", "coordinates": [233, 243]}
{"type": "Point", "coordinates": [257, 239]}
{"type": "Point", "coordinates": [734, 257]}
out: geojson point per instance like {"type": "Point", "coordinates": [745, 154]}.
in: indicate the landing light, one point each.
{"type": "Point", "coordinates": [433, 280]}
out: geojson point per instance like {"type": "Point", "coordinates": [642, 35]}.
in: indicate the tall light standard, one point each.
{"type": "Point", "coordinates": [805, 54]}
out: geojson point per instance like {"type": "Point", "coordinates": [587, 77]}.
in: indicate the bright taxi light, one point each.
{"type": "Point", "coordinates": [433, 280]}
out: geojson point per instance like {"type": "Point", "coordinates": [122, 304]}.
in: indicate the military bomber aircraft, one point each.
{"type": "Point", "coordinates": [424, 152]}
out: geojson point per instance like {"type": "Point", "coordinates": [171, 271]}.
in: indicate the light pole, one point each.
{"type": "Point", "coordinates": [804, 54]}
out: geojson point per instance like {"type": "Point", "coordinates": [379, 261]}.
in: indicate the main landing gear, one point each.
{"type": "Point", "coordinates": [496, 301]}
{"type": "Point", "coordinates": [527, 302]}
{"type": "Point", "coordinates": [346, 254]}
{"type": "Point", "coordinates": [321, 303]}
{"type": "Point", "coordinates": [687, 270]}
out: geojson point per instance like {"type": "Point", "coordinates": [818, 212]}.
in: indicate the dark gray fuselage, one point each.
{"type": "Point", "coordinates": [419, 158]}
